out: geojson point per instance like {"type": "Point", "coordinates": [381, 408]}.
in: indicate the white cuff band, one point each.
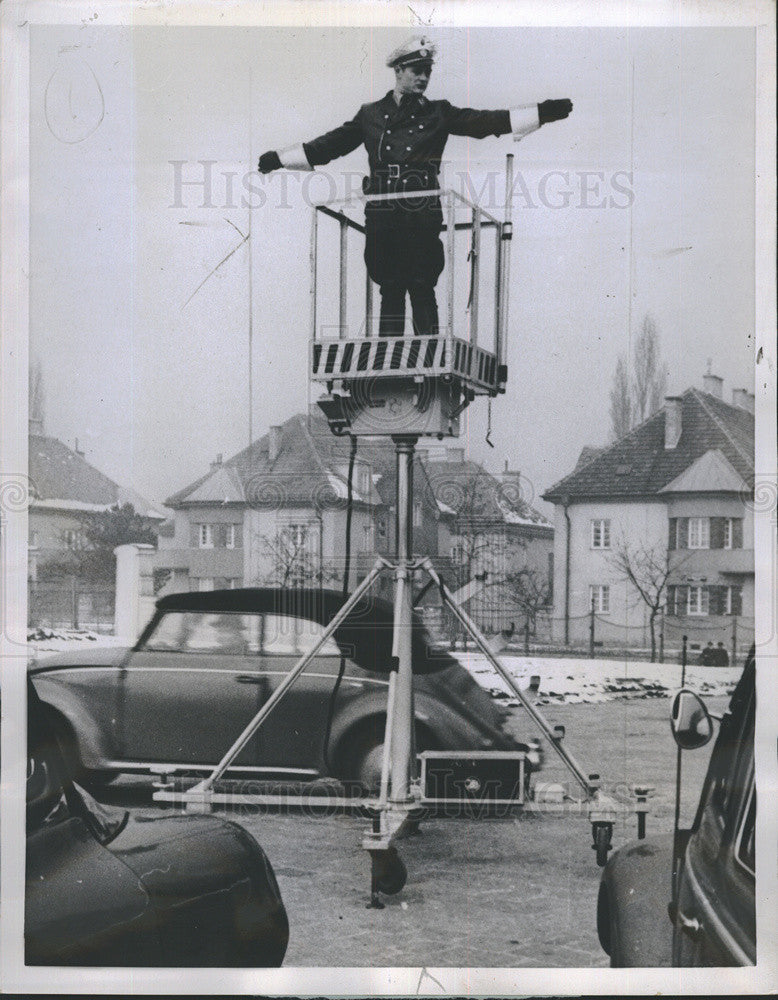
{"type": "Point", "coordinates": [294, 158]}
{"type": "Point", "coordinates": [524, 120]}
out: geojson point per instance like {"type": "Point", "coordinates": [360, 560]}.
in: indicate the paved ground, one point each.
{"type": "Point", "coordinates": [515, 892]}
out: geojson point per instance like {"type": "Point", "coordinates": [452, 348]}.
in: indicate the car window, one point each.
{"type": "Point", "coordinates": [285, 635]}
{"type": "Point", "coordinates": [205, 632]}
{"type": "Point", "coordinates": [745, 844]}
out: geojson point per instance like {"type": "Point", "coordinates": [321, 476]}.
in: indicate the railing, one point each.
{"type": "Point", "coordinates": [336, 353]}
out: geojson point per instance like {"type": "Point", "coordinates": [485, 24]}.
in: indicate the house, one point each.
{"type": "Point", "coordinates": [275, 514]}
{"type": "Point", "coordinates": [64, 489]}
{"type": "Point", "coordinates": [666, 510]}
{"type": "Point", "coordinates": [500, 547]}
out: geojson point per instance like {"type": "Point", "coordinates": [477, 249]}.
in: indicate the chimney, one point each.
{"type": "Point", "coordinates": [217, 461]}
{"type": "Point", "coordinates": [713, 384]}
{"type": "Point", "coordinates": [740, 398]}
{"type": "Point", "coordinates": [455, 456]}
{"type": "Point", "coordinates": [750, 402]}
{"type": "Point", "coordinates": [274, 443]}
{"type": "Point", "coordinates": [510, 475]}
{"type": "Point", "coordinates": [78, 451]}
{"type": "Point", "coordinates": [673, 421]}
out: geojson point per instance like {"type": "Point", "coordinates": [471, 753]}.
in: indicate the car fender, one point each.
{"type": "Point", "coordinates": [633, 922]}
{"type": "Point", "coordinates": [448, 729]}
{"type": "Point", "coordinates": [92, 747]}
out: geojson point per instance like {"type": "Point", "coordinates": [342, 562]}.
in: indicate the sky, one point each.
{"type": "Point", "coordinates": [641, 202]}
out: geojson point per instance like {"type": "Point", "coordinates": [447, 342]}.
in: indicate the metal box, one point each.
{"type": "Point", "coordinates": [473, 777]}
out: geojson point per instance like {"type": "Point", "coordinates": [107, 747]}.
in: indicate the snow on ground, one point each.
{"type": "Point", "coordinates": [561, 681]}
{"type": "Point", "coordinates": [55, 640]}
{"type": "Point", "coordinates": [566, 681]}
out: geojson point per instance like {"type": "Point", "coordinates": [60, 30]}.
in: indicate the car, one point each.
{"type": "Point", "coordinates": [108, 888]}
{"type": "Point", "coordinates": [206, 663]}
{"type": "Point", "coordinates": [688, 898]}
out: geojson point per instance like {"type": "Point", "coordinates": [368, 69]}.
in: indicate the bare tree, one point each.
{"type": "Point", "coordinates": [483, 548]}
{"type": "Point", "coordinates": [295, 559]}
{"type": "Point", "coordinates": [531, 590]}
{"type": "Point", "coordinates": [621, 401]}
{"type": "Point", "coordinates": [649, 380]}
{"type": "Point", "coordinates": [647, 568]}
{"type": "Point", "coordinates": [632, 402]}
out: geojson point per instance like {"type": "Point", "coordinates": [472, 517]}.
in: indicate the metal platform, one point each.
{"type": "Point", "coordinates": [435, 357]}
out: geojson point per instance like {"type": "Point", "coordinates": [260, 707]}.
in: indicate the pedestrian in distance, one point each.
{"type": "Point", "coordinates": [708, 655]}
{"type": "Point", "coordinates": [404, 135]}
{"type": "Point", "coordinates": [721, 656]}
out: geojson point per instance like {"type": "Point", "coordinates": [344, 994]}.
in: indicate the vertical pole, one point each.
{"type": "Point", "coordinates": [662, 635]}
{"type": "Point", "coordinates": [526, 637]}
{"type": "Point", "coordinates": [733, 661]}
{"type": "Point", "coordinates": [74, 601]}
{"type": "Point", "coordinates": [342, 315]}
{"type": "Point", "coordinates": [314, 261]}
{"type": "Point", "coordinates": [475, 276]}
{"type": "Point", "coordinates": [368, 305]}
{"type": "Point", "coordinates": [507, 235]}
{"type": "Point", "coordinates": [497, 292]}
{"type": "Point", "coordinates": [591, 630]}
{"type": "Point", "coordinates": [402, 728]}
{"type": "Point", "coordinates": [450, 234]}
{"type": "Point", "coordinates": [676, 840]}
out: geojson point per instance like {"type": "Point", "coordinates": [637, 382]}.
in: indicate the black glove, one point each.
{"type": "Point", "coordinates": [269, 161]}
{"type": "Point", "coordinates": [553, 111]}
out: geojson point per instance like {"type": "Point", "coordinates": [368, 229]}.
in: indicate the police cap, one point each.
{"type": "Point", "coordinates": [418, 49]}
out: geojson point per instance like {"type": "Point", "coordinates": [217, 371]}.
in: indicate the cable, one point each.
{"type": "Point", "coordinates": [346, 572]}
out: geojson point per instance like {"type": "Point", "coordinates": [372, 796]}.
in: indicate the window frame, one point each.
{"type": "Point", "coordinates": [704, 602]}
{"type": "Point", "coordinates": [703, 523]}
{"type": "Point", "coordinates": [600, 527]}
{"type": "Point", "coordinates": [205, 535]}
{"type": "Point", "coordinates": [602, 592]}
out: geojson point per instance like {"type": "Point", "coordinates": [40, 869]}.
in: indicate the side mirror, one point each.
{"type": "Point", "coordinates": [691, 722]}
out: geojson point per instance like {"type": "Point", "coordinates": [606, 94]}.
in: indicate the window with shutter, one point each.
{"type": "Point", "coordinates": [717, 600]}
{"type": "Point", "coordinates": [672, 535]}
{"type": "Point", "coordinates": [737, 532]}
{"type": "Point", "coordinates": [670, 605]}
{"type": "Point", "coordinates": [699, 533]}
{"type": "Point", "coordinates": [683, 533]}
{"type": "Point", "coordinates": [736, 600]}
{"type": "Point", "coordinates": [698, 601]}
{"type": "Point", "coordinates": [717, 532]}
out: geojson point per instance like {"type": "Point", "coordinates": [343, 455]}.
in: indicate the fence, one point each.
{"type": "Point", "coordinates": [70, 604]}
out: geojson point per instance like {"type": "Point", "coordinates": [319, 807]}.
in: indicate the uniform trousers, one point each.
{"type": "Point", "coordinates": [405, 256]}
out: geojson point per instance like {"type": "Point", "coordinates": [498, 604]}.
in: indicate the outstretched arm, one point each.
{"type": "Point", "coordinates": [519, 120]}
{"type": "Point", "coordinates": [317, 152]}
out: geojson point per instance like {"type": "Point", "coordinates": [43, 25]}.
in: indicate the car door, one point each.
{"type": "Point", "coordinates": [293, 734]}
{"type": "Point", "coordinates": [189, 691]}
{"type": "Point", "coordinates": [715, 917]}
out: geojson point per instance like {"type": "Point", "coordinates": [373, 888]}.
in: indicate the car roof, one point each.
{"type": "Point", "coordinates": [315, 603]}
{"type": "Point", "coordinates": [367, 632]}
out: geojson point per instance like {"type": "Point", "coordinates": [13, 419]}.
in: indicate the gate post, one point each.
{"type": "Point", "coordinates": [134, 590]}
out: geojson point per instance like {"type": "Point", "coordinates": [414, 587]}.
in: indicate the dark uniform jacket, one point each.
{"type": "Point", "coordinates": [404, 148]}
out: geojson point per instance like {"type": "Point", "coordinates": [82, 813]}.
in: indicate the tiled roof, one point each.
{"type": "Point", "coordinates": [471, 493]}
{"type": "Point", "coordinates": [639, 465]}
{"type": "Point", "coordinates": [309, 469]}
{"type": "Point", "coordinates": [58, 473]}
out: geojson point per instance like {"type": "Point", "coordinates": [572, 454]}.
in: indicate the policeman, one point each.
{"type": "Point", "coordinates": [404, 134]}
